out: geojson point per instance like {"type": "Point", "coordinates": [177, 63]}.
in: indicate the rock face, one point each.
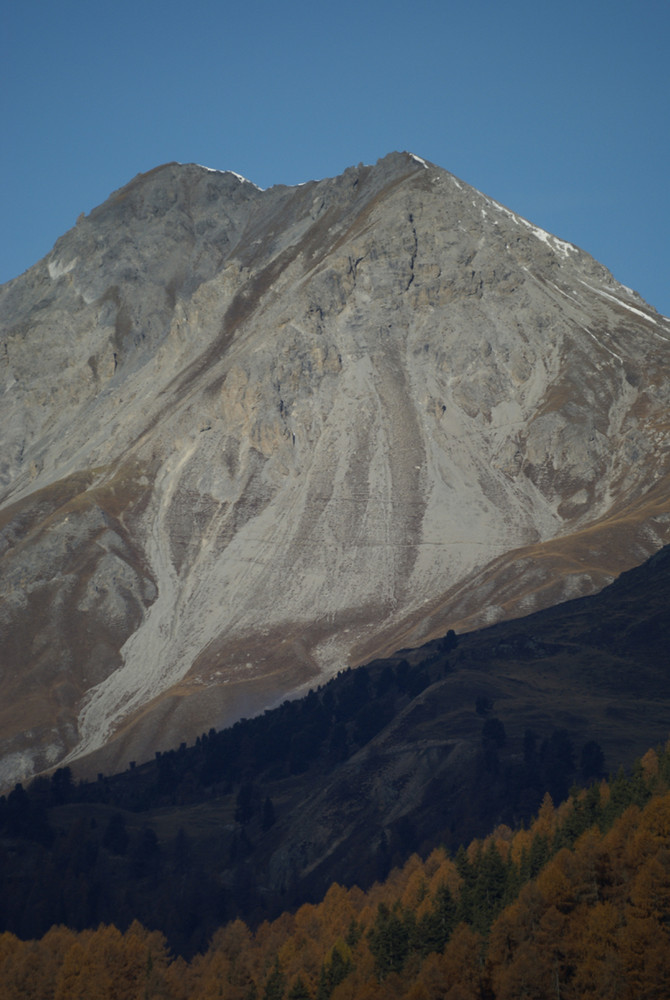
{"type": "Point", "coordinates": [250, 437]}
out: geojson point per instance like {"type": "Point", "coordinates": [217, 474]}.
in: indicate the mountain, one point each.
{"type": "Point", "coordinates": [251, 437]}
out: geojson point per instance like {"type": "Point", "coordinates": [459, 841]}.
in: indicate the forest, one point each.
{"type": "Point", "coordinates": [340, 844]}
{"type": "Point", "coordinates": [575, 904]}
{"type": "Point", "coordinates": [229, 827]}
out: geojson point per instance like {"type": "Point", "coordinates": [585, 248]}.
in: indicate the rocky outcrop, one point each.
{"type": "Point", "coordinates": [252, 436]}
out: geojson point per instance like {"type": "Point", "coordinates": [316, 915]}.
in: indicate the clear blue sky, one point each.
{"type": "Point", "coordinates": [558, 110]}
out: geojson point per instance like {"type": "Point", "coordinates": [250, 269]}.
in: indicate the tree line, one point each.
{"type": "Point", "coordinates": [85, 853]}
{"type": "Point", "coordinates": [576, 904]}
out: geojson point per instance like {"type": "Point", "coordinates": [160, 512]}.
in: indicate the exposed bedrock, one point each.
{"type": "Point", "coordinates": [251, 437]}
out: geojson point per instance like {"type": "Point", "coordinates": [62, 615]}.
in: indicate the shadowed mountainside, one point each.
{"type": "Point", "coordinates": [432, 746]}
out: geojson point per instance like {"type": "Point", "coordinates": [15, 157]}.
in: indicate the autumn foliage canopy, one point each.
{"type": "Point", "coordinates": [576, 906]}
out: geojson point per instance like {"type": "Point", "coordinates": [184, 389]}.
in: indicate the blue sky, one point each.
{"type": "Point", "coordinates": [558, 110]}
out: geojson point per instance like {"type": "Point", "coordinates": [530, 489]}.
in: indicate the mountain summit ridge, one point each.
{"type": "Point", "coordinates": [255, 435]}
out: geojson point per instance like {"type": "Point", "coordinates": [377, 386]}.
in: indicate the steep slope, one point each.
{"type": "Point", "coordinates": [251, 436]}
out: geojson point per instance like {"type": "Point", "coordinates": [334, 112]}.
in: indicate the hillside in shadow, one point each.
{"type": "Point", "coordinates": [432, 746]}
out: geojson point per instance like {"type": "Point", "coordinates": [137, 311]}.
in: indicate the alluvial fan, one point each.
{"type": "Point", "coordinates": [251, 437]}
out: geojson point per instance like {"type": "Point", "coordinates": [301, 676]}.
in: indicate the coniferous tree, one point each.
{"type": "Point", "coordinates": [299, 991]}
{"type": "Point", "coordinates": [434, 928]}
{"type": "Point", "coordinates": [591, 762]}
{"type": "Point", "coordinates": [115, 838]}
{"type": "Point", "coordinates": [388, 941]}
{"type": "Point", "coordinates": [275, 984]}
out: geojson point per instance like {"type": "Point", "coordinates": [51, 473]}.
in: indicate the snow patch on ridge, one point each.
{"type": "Point", "coordinates": [558, 246]}
{"type": "Point", "coordinates": [620, 302]}
{"type": "Point", "coordinates": [561, 247]}
{"type": "Point", "coordinates": [233, 173]}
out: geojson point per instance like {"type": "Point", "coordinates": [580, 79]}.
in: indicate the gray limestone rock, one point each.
{"type": "Point", "coordinates": [250, 437]}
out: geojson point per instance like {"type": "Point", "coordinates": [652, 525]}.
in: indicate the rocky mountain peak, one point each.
{"type": "Point", "coordinates": [251, 436]}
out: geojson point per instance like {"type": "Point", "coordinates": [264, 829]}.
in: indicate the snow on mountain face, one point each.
{"type": "Point", "coordinates": [252, 436]}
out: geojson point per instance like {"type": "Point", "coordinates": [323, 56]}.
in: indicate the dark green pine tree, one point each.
{"type": "Point", "coordinates": [116, 838]}
{"type": "Point", "coordinates": [299, 991]}
{"type": "Point", "coordinates": [434, 929]}
{"type": "Point", "coordinates": [490, 888]}
{"type": "Point", "coordinates": [468, 875]}
{"type": "Point", "coordinates": [389, 940]}
{"type": "Point", "coordinates": [538, 855]}
{"type": "Point", "coordinates": [354, 933]}
{"type": "Point", "coordinates": [332, 973]}
{"type": "Point", "coordinates": [275, 984]}
{"type": "Point", "coordinates": [626, 791]}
